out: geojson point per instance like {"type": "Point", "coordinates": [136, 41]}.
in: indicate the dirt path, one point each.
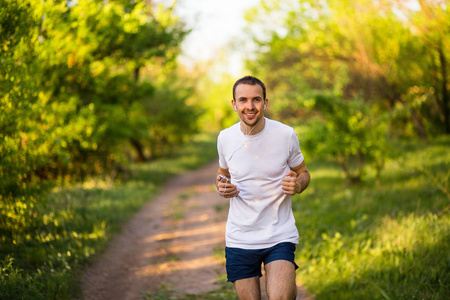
{"type": "Point", "coordinates": [170, 242]}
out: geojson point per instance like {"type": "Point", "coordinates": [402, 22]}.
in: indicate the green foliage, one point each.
{"type": "Point", "coordinates": [74, 105]}
{"type": "Point", "coordinates": [71, 98]}
{"type": "Point", "coordinates": [41, 257]}
{"type": "Point", "coordinates": [173, 121]}
{"type": "Point", "coordinates": [389, 240]}
{"type": "Point", "coordinates": [358, 72]}
{"type": "Point", "coordinates": [348, 131]}
{"type": "Point", "coordinates": [381, 52]}
{"type": "Point", "coordinates": [214, 97]}
{"type": "Point", "coordinates": [71, 92]}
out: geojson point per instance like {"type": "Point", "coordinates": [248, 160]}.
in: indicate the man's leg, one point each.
{"type": "Point", "coordinates": [280, 280]}
{"type": "Point", "coordinates": [248, 288]}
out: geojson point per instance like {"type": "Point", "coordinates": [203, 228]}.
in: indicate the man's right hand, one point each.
{"type": "Point", "coordinates": [225, 188]}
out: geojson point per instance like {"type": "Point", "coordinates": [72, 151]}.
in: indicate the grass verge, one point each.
{"type": "Point", "coordinates": [378, 240]}
{"type": "Point", "coordinates": [65, 229]}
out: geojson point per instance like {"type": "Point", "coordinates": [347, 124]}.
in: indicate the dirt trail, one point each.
{"type": "Point", "coordinates": [171, 241]}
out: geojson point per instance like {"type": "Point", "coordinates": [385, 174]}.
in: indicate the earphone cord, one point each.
{"type": "Point", "coordinates": [246, 128]}
{"type": "Point", "coordinates": [243, 144]}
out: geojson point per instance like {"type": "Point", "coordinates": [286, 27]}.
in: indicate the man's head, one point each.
{"type": "Point", "coordinates": [251, 81]}
{"type": "Point", "coordinates": [249, 100]}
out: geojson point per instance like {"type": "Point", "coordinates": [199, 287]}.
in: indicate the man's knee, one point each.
{"type": "Point", "coordinates": [284, 294]}
{"type": "Point", "coordinates": [248, 288]}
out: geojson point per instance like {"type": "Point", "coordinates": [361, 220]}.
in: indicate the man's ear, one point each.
{"type": "Point", "coordinates": [233, 103]}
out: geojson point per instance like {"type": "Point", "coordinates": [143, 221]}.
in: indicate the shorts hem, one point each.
{"type": "Point", "coordinates": [285, 259]}
{"type": "Point", "coordinates": [243, 277]}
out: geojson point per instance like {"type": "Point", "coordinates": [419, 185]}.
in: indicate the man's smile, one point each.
{"type": "Point", "coordinates": [250, 114]}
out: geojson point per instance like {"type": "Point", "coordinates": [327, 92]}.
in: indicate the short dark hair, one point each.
{"type": "Point", "coordinates": [251, 81]}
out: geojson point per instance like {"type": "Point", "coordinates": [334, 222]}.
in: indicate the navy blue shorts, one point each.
{"type": "Point", "coordinates": [243, 263]}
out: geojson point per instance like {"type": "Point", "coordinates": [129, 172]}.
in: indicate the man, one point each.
{"type": "Point", "coordinates": [260, 167]}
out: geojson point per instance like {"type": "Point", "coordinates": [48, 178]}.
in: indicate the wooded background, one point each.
{"type": "Point", "coordinates": [90, 87]}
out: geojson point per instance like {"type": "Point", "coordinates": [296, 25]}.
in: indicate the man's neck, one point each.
{"type": "Point", "coordinates": [255, 129]}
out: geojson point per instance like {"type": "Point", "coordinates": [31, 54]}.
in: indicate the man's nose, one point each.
{"type": "Point", "coordinates": [250, 105]}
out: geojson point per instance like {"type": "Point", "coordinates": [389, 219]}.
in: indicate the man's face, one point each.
{"type": "Point", "coordinates": [249, 101]}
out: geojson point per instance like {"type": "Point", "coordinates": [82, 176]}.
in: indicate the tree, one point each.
{"type": "Point", "coordinates": [357, 49]}
{"type": "Point", "coordinates": [430, 21]}
{"type": "Point", "coordinates": [349, 132]}
{"type": "Point", "coordinates": [71, 98]}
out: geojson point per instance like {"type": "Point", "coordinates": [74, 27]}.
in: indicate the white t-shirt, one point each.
{"type": "Point", "coordinates": [261, 215]}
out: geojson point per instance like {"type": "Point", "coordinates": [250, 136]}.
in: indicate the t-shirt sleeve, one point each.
{"type": "Point", "coordinates": [295, 154]}
{"type": "Point", "coordinates": [222, 161]}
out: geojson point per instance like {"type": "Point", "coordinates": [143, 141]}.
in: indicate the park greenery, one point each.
{"type": "Point", "coordinates": [358, 71]}
{"type": "Point", "coordinates": [96, 113]}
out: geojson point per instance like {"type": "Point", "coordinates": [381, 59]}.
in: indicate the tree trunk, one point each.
{"type": "Point", "coordinates": [135, 143]}
{"type": "Point", "coordinates": [139, 150]}
{"type": "Point", "coordinates": [419, 125]}
{"type": "Point", "coordinates": [350, 176]}
{"type": "Point", "coordinates": [445, 96]}
{"type": "Point", "coordinates": [136, 73]}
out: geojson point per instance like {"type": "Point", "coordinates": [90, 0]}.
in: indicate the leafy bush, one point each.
{"type": "Point", "coordinates": [350, 132]}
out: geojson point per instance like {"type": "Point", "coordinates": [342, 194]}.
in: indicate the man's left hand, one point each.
{"type": "Point", "coordinates": [289, 183]}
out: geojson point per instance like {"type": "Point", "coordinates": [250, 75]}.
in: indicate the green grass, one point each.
{"type": "Point", "coordinates": [64, 230]}
{"type": "Point", "coordinates": [386, 239]}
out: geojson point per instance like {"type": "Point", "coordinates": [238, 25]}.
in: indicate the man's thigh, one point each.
{"type": "Point", "coordinates": [280, 280]}
{"type": "Point", "coordinates": [248, 288]}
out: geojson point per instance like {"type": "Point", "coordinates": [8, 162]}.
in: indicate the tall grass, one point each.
{"type": "Point", "coordinates": [74, 223]}
{"type": "Point", "coordinates": [386, 239]}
